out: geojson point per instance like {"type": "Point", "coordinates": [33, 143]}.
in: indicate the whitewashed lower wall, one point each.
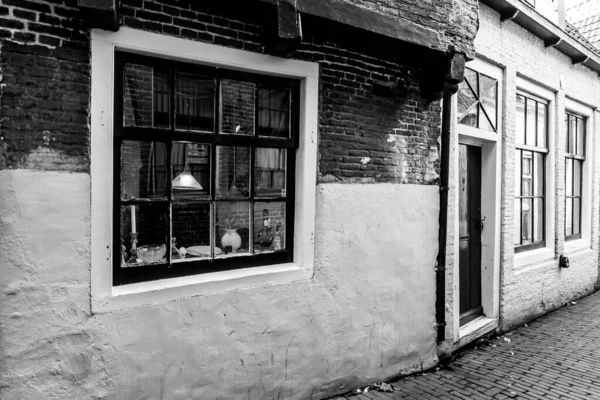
{"type": "Point", "coordinates": [367, 314]}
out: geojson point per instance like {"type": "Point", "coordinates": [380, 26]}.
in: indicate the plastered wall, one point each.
{"type": "Point", "coordinates": [534, 288]}
{"type": "Point", "coordinates": [367, 314]}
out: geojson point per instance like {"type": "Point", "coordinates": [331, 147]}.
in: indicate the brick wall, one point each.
{"type": "Point", "coordinates": [45, 86]}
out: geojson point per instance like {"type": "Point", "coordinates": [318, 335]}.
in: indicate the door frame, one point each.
{"type": "Point", "coordinates": [491, 179]}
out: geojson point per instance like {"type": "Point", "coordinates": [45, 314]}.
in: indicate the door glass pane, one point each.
{"type": "Point", "coordinates": [520, 122]}
{"type": "Point", "coordinates": [576, 215]}
{"type": "Point", "coordinates": [538, 220]}
{"type": "Point", "coordinates": [541, 125]}
{"type": "Point", "coordinates": [191, 231]}
{"type": "Point", "coordinates": [580, 137]}
{"type": "Point", "coordinates": [237, 107]}
{"type": "Point", "coordinates": [569, 176]}
{"type": "Point", "coordinates": [518, 176]}
{"type": "Point", "coordinates": [531, 132]}
{"type": "Point", "coordinates": [194, 102]}
{"type": "Point", "coordinates": [274, 112]}
{"type": "Point", "coordinates": [232, 228]}
{"type": "Point", "coordinates": [463, 196]}
{"type": "Point", "coordinates": [143, 169]}
{"type": "Point", "coordinates": [526, 221]}
{"type": "Point", "coordinates": [270, 172]}
{"type": "Point", "coordinates": [191, 169]}
{"type": "Point", "coordinates": [569, 216]}
{"type": "Point", "coordinates": [269, 226]}
{"type": "Point", "coordinates": [576, 178]}
{"type": "Point", "coordinates": [138, 95]}
{"type": "Point", "coordinates": [517, 222]}
{"type": "Point", "coordinates": [233, 172]}
{"type": "Point", "coordinates": [538, 177]}
{"type": "Point", "coordinates": [143, 234]}
{"type": "Point", "coordinates": [527, 173]}
{"type": "Point", "coordinates": [489, 96]}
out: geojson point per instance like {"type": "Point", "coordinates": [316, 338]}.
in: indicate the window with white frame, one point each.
{"type": "Point", "coordinates": [531, 149]}
{"type": "Point", "coordinates": [574, 167]}
{"type": "Point", "coordinates": [203, 168]}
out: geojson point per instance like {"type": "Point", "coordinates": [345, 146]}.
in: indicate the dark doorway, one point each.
{"type": "Point", "coordinates": [470, 227]}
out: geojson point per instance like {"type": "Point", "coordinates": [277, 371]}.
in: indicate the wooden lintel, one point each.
{"type": "Point", "coordinates": [508, 15]}
{"type": "Point", "coordinates": [555, 41]}
{"type": "Point", "coordinates": [580, 60]}
{"type": "Point", "coordinates": [101, 14]}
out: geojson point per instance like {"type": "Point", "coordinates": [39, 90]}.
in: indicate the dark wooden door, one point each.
{"type": "Point", "coordinates": [470, 227]}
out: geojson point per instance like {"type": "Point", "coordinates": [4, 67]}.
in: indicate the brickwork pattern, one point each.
{"type": "Point", "coordinates": [554, 357]}
{"type": "Point", "coordinates": [363, 138]}
{"type": "Point", "coordinates": [44, 87]}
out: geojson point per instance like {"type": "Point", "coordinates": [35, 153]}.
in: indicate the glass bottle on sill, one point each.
{"type": "Point", "coordinates": [277, 238]}
{"type": "Point", "coordinates": [175, 255]}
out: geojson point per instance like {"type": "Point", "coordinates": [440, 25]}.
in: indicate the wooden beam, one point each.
{"type": "Point", "coordinates": [285, 33]}
{"type": "Point", "coordinates": [580, 60]}
{"type": "Point", "coordinates": [555, 41]}
{"type": "Point", "coordinates": [101, 14]}
{"type": "Point", "coordinates": [443, 76]}
{"type": "Point", "coordinates": [508, 15]}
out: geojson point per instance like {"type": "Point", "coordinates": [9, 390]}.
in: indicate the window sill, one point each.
{"type": "Point", "coordinates": [574, 247]}
{"type": "Point", "coordinates": [537, 256]}
{"type": "Point", "coordinates": [160, 291]}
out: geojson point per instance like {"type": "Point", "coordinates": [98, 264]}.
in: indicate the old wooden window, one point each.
{"type": "Point", "coordinates": [478, 101]}
{"type": "Point", "coordinates": [575, 157]}
{"type": "Point", "coordinates": [531, 149]}
{"type": "Point", "coordinates": [204, 169]}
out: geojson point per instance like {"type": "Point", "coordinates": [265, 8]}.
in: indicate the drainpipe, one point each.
{"type": "Point", "coordinates": [454, 75]}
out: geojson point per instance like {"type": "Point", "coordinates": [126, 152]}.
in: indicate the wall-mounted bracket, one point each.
{"type": "Point", "coordinates": [508, 15]}
{"type": "Point", "coordinates": [580, 60]}
{"type": "Point", "coordinates": [443, 76]}
{"type": "Point", "coordinates": [555, 41]}
{"type": "Point", "coordinates": [285, 33]}
{"type": "Point", "coordinates": [102, 14]}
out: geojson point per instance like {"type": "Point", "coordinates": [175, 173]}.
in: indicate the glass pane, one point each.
{"type": "Point", "coordinates": [580, 137]}
{"type": "Point", "coordinates": [270, 172]}
{"type": "Point", "coordinates": [527, 173]}
{"type": "Point", "coordinates": [138, 95]}
{"type": "Point", "coordinates": [518, 176]}
{"type": "Point", "coordinates": [194, 102]}
{"type": "Point", "coordinates": [541, 125]}
{"type": "Point", "coordinates": [191, 169]}
{"type": "Point", "coordinates": [162, 99]}
{"type": "Point", "coordinates": [576, 216]}
{"type": "Point", "coordinates": [572, 133]}
{"type": "Point", "coordinates": [467, 111]}
{"type": "Point", "coordinates": [274, 112]}
{"type": "Point", "coordinates": [484, 122]}
{"type": "Point", "coordinates": [269, 226]}
{"type": "Point", "coordinates": [569, 176]}
{"type": "Point", "coordinates": [569, 217]}
{"type": "Point", "coordinates": [538, 177]}
{"type": "Point", "coordinates": [538, 220]}
{"type": "Point", "coordinates": [489, 96]}
{"type": "Point", "coordinates": [577, 178]}
{"type": "Point", "coordinates": [531, 126]}
{"type": "Point", "coordinates": [143, 169]}
{"type": "Point", "coordinates": [520, 123]}
{"type": "Point", "coordinates": [143, 234]}
{"type": "Point", "coordinates": [517, 223]}
{"type": "Point", "coordinates": [567, 123]}
{"type": "Point", "coordinates": [237, 107]}
{"type": "Point", "coordinates": [526, 221]}
{"type": "Point", "coordinates": [233, 171]}
{"type": "Point", "coordinates": [232, 228]}
{"type": "Point", "coordinates": [191, 231]}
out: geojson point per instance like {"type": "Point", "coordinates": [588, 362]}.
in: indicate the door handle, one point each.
{"type": "Point", "coordinates": [478, 223]}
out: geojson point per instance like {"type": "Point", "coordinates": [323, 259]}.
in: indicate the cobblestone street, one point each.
{"type": "Point", "coordinates": [554, 357]}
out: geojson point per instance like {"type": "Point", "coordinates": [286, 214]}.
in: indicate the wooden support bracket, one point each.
{"type": "Point", "coordinates": [101, 14]}
{"type": "Point", "coordinates": [555, 41]}
{"type": "Point", "coordinates": [508, 15]}
{"type": "Point", "coordinates": [580, 60]}
{"type": "Point", "coordinates": [443, 76]}
{"type": "Point", "coordinates": [286, 29]}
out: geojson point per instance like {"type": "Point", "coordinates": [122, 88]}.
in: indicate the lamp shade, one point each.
{"type": "Point", "coordinates": [186, 181]}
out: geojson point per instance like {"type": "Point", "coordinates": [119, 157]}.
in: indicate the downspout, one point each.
{"type": "Point", "coordinates": [440, 269]}
{"type": "Point", "coordinates": [454, 74]}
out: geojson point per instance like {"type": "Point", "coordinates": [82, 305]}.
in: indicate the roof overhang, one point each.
{"type": "Point", "coordinates": [552, 35]}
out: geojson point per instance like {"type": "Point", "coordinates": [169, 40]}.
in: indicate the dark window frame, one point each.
{"type": "Point", "coordinates": [171, 135]}
{"type": "Point", "coordinates": [520, 148]}
{"type": "Point", "coordinates": [574, 157]}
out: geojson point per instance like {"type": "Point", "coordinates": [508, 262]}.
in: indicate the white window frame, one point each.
{"type": "Point", "coordinates": [105, 296]}
{"type": "Point", "coordinates": [579, 109]}
{"type": "Point", "coordinates": [546, 253]}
